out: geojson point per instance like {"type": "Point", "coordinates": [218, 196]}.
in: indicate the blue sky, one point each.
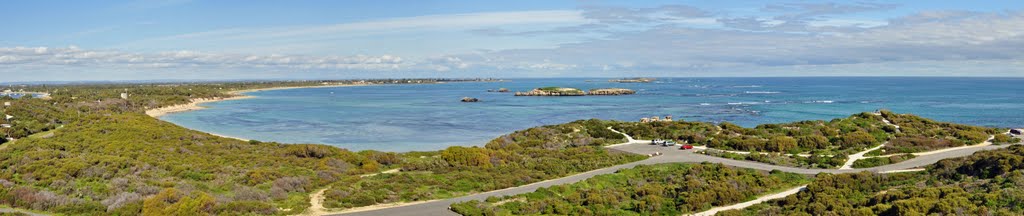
{"type": "Point", "coordinates": [183, 39]}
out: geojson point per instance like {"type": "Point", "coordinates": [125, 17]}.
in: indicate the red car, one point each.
{"type": "Point", "coordinates": [686, 146]}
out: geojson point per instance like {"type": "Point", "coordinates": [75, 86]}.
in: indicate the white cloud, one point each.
{"type": "Point", "coordinates": [665, 48]}
{"type": "Point", "coordinates": [312, 36]}
{"type": "Point", "coordinates": [74, 56]}
{"type": "Point", "coordinates": [664, 41]}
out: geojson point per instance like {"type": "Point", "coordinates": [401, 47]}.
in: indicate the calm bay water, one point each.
{"type": "Point", "coordinates": [430, 117]}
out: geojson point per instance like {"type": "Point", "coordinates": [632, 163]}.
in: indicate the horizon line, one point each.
{"type": "Point", "coordinates": [154, 81]}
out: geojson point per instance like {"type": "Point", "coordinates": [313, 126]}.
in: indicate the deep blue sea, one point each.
{"type": "Point", "coordinates": [430, 117]}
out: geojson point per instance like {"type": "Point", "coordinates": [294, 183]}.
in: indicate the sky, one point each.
{"type": "Point", "coordinates": [48, 40]}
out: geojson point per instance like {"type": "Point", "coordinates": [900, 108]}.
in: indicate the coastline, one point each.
{"type": "Point", "coordinates": [241, 92]}
{"type": "Point", "coordinates": [196, 104]}
{"type": "Point", "coordinates": [236, 95]}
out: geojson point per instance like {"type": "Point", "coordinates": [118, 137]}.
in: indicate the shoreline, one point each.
{"type": "Point", "coordinates": [196, 104]}
{"type": "Point", "coordinates": [236, 95]}
{"type": "Point", "coordinates": [242, 92]}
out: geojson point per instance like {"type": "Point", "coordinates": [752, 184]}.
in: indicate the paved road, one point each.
{"type": "Point", "coordinates": [671, 155]}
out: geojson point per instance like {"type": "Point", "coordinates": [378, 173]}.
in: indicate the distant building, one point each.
{"type": "Point", "coordinates": [8, 103]}
{"type": "Point", "coordinates": [124, 96]}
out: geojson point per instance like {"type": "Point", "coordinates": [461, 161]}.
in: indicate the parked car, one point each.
{"type": "Point", "coordinates": [686, 146]}
{"type": "Point", "coordinates": [669, 143]}
{"type": "Point", "coordinates": [656, 142]}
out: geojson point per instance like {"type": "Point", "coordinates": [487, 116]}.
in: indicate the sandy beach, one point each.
{"type": "Point", "coordinates": [194, 105]}
{"type": "Point", "coordinates": [238, 95]}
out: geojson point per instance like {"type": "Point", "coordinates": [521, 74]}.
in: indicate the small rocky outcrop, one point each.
{"type": "Point", "coordinates": [552, 91]}
{"type": "Point", "coordinates": [499, 90]}
{"type": "Point", "coordinates": [469, 99]}
{"type": "Point", "coordinates": [611, 91]}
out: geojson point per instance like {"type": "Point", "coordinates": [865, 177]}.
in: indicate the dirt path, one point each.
{"type": "Point", "coordinates": [742, 205]}
{"type": "Point", "coordinates": [858, 156]}
{"type": "Point", "coordinates": [316, 200]}
{"type": "Point", "coordinates": [983, 144]}
{"type": "Point", "coordinates": [316, 203]}
{"type": "Point", "coordinates": [746, 152]}
{"type": "Point", "coordinates": [396, 170]}
{"type": "Point", "coordinates": [903, 170]}
{"type": "Point", "coordinates": [629, 139]}
{"type": "Point", "coordinates": [440, 207]}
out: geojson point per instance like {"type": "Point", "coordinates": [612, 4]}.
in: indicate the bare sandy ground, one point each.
{"type": "Point", "coordinates": [629, 139]}
{"type": "Point", "coordinates": [903, 170]}
{"type": "Point", "coordinates": [238, 95]}
{"type": "Point", "coordinates": [857, 156]}
{"type": "Point", "coordinates": [316, 201]}
{"type": "Point", "coordinates": [937, 151]}
{"type": "Point", "coordinates": [742, 205]}
{"type": "Point", "coordinates": [983, 144]}
{"type": "Point", "coordinates": [194, 105]}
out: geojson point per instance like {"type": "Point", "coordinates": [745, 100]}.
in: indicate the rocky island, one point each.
{"type": "Point", "coordinates": [470, 99]}
{"type": "Point", "coordinates": [633, 80]}
{"type": "Point", "coordinates": [611, 91]}
{"type": "Point", "coordinates": [552, 91]}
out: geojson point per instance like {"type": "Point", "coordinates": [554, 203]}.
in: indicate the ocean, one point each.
{"type": "Point", "coordinates": [431, 117]}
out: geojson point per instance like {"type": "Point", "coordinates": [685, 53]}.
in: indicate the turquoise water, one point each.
{"type": "Point", "coordinates": [430, 117]}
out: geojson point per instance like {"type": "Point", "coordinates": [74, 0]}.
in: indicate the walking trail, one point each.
{"type": "Point", "coordinates": [316, 200]}
{"type": "Point", "coordinates": [759, 200]}
{"type": "Point", "coordinates": [858, 156]}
